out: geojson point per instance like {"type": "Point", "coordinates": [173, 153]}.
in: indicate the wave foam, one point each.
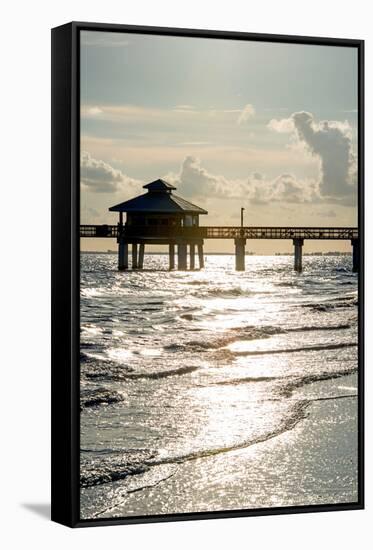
{"type": "Point", "coordinates": [96, 397]}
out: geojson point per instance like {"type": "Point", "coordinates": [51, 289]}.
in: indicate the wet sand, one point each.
{"type": "Point", "coordinates": [319, 452]}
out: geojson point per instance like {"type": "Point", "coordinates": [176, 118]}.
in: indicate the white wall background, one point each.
{"type": "Point", "coordinates": [25, 271]}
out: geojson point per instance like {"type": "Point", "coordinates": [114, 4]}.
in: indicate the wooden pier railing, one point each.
{"type": "Point", "coordinates": [222, 232]}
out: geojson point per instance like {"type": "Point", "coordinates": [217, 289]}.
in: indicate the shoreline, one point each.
{"type": "Point", "coordinates": [315, 462]}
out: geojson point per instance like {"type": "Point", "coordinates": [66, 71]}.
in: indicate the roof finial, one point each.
{"type": "Point", "coordinates": [159, 186]}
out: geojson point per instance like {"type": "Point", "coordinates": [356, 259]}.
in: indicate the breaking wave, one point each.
{"type": "Point", "coordinates": [287, 384]}
{"type": "Point", "coordinates": [99, 396]}
{"type": "Point", "coordinates": [100, 470]}
{"type": "Point", "coordinates": [97, 469]}
{"type": "Point", "coordinates": [117, 373]}
{"type": "Point", "coordinates": [297, 382]}
{"type": "Point", "coordinates": [250, 333]}
{"type": "Point", "coordinates": [295, 350]}
{"type": "Point", "coordinates": [330, 306]}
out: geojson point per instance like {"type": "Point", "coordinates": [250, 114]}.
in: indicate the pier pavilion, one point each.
{"type": "Point", "coordinates": [158, 217]}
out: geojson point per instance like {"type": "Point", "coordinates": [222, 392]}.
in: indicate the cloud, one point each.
{"type": "Point", "coordinates": [91, 111]}
{"type": "Point", "coordinates": [184, 107]}
{"type": "Point", "coordinates": [100, 177]}
{"type": "Point", "coordinates": [282, 126]}
{"type": "Point", "coordinates": [331, 143]}
{"type": "Point", "coordinates": [284, 188]}
{"type": "Point", "coordinates": [247, 112]}
{"type": "Point", "coordinates": [194, 180]}
{"type": "Point", "coordinates": [125, 112]}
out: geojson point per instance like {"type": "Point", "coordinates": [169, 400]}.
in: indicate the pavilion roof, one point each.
{"type": "Point", "coordinates": [158, 200]}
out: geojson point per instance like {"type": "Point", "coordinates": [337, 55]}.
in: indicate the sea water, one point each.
{"type": "Point", "coordinates": [215, 389]}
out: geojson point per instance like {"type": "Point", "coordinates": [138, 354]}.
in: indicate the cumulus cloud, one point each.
{"type": "Point", "coordinates": [282, 126]}
{"type": "Point", "coordinates": [100, 177]}
{"type": "Point", "coordinates": [284, 188]}
{"type": "Point", "coordinates": [194, 180]}
{"type": "Point", "coordinates": [331, 143]}
{"type": "Point", "coordinates": [247, 112]}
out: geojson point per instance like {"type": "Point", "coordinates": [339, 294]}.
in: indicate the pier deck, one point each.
{"type": "Point", "coordinates": [223, 232]}
{"type": "Point", "coordinates": [182, 237]}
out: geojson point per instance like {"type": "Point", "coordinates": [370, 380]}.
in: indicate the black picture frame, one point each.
{"type": "Point", "coordinates": [66, 272]}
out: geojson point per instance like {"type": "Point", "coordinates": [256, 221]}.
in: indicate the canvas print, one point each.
{"type": "Point", "coordinates": [219, 256]}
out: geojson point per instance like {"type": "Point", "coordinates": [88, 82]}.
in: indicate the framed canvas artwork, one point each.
{"type": "Point", "coordinates": [207, 274]}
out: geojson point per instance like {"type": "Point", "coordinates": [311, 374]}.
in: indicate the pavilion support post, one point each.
{"type": "Point", "coordinates": [201, 260]}
{"type": "Point", "coordinates": [192, 251]}
{"type": "Point", "coordinates": [182, 256]}
{"type": "Point", "coordinates": [240, 253]}
{"type": "Point", "coordinates": [355, 255]}
{"type": "Point", "coordinates": [134, 256]}
{"type": "Point", "coordinates": [141, 255]}
{"type": "Point", "coordinates": [298, 245]}
{"type": "Point", "coordinates": [122, 255]}
{"type": "Point", "coordinates": [171, 256]}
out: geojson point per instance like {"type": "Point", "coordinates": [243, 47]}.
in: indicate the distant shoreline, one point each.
{"type": "Point", "coordinates": [333, 253]}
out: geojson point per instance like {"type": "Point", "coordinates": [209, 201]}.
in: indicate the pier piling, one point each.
{"type": "Point", "coordinates": [171, 256]}
{"type": "Point", "coordinates": [298, 244]}
{"type": "Point", "coordinates": [134, 256]}
{"type": "Point", "coordinates": [201, 260]}
{"type": "Point", "coordinates": [122, 255]}
{"type": "Point", "coordinates": [141, 255]}
{"type": "Point", "coordinates": [240, 253]}
{"type": "Point", "coordinates": [182, 256]}
{"type": "Point", "coordinates": [191, 256]}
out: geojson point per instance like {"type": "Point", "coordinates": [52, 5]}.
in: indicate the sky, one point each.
{"type": "Point", "coordinates": [265, 126]}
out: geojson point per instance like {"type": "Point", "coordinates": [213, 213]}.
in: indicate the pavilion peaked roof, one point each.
{"type": "Point", "coordinates": [158, 200]}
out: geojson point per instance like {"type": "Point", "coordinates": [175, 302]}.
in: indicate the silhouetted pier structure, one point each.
{"type": "Point", "coordinates": [159, 217]}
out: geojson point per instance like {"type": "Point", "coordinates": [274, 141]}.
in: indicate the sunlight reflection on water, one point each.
{"type": "Point", "coordinates": [197, 385]}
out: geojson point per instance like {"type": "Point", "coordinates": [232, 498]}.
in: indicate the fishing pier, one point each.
{"type": "Point", "coordinates": [159, 217]}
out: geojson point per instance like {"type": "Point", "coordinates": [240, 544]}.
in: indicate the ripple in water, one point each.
{"type": "Point", "coordinates": [197, 366]}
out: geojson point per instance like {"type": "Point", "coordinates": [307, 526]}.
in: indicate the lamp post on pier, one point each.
{"type": "Point", "coordinates": [242, 209]}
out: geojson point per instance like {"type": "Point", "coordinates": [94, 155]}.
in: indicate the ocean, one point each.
{"type": "Point", "coordinates": [215, 389]}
